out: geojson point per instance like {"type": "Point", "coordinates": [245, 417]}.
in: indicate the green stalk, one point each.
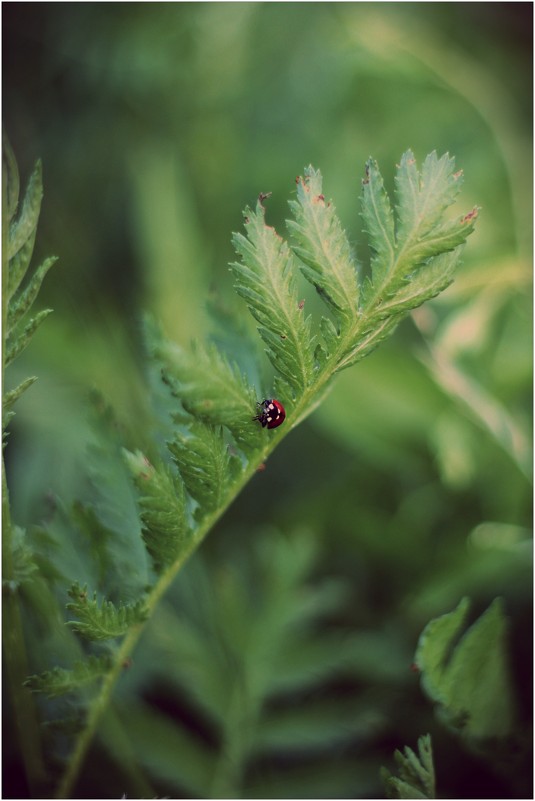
{"type": "Point", "coordinates": [130, 641]}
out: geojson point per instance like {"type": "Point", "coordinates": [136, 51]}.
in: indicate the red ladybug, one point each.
{"type": "Point", "coordinates": [272, 414]}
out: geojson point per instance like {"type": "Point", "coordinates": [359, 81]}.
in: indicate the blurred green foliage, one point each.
{"type": "Point", "coordinates": [156, 125]}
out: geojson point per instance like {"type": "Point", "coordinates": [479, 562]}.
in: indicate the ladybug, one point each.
{"type": "Point", "coordinates": [272, 414]}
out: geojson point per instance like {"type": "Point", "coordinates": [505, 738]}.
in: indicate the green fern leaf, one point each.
{"type": "Point", "coordinates": [16, 344]}
{"type": "Point", "coordinates": [23, 228]}
{"type": "Point", "coordinates": [422, 232]}
{"type": "Point", "coordinates": [423, 198]}
{"type": "Point", "coordinates": [14, 394]}
{"type": "Point", "coordinates": [416, 772]}
{"type": "Point", "coordinates": [105, 621]}
{"type": "Point", "coordinates": [211, 389]}
{"type": "Point", "coordinates": [12, 180]}
{"type": "Point", "coordinates": [323, 248]}
{"type": "Point", "coordinates": [21, 304]}
{"type": "Point", "coordinates": [470, 682]}
{"type": "Point", "coordinates": [424, 285]}
{"type": "Point", "coordinates": [264, 279]}
{"type": "Point", "coordinates": [205, 463]}
{"type": "Point", "coordinates": [162, 502]}
{"type": "Point", "coordinates": [404, 270]}
{"type": "Point", "coordinates": [23, 564]}
{"type": "Point", "coordinates": [379, 223]}
{"type": "Point", "coordinates": [19, 263]}
{"type": "Point", "coordinates": [60, 681]}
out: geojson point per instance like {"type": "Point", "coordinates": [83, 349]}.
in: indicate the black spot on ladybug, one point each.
{"type": "Point", "coordinates": [272, 414]}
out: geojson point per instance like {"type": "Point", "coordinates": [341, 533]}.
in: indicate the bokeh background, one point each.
{"type": "Point", "coordinates": [157, 123]}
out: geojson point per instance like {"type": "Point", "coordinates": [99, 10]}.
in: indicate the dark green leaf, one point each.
{"type": "Point", "coordinates": [162, 504]}
{"type": "Point", "coordinates": [60, 681]}
{"type": "Point", "coordinates": [469, 680]}
{"type": "Point", "coordinates": [103, 621]}
{"type": "Point", "coordinates": [416, 772]}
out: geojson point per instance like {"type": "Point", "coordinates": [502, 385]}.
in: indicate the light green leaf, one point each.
{"type": "Point", "coordinates": [24, 226]}
{"type": "Point", "coordinates": [19, 263]}
{"type": "Point", "coordinates": [416, 772]}
{"type": "Point", "coordinates": [211, 389]}
{"type": "Point", "coordinates": [11, 172]}
{"type": "Point", "coordinates": [422, 230]}
{"type": "Point", "coordinates": [14, 394]}
{"type": "Point", "coordinates": [323, 247]}
{"type": "Point", "coordinates": [23, 564]}
{"type": "Point", "coordinates": [378, 222]}
{"type": "Point", "coordinates": [162, 503]}
{"type": "Point", "coordinates": [469, 680]}
{"type": "Point", "coordinates": [423, 198]}
{"type": "Point", "coordinates": [17, 343]}
{"type": "Point", "coordinates": [424, 285]}
{"type": "Point", "coordinates": [105, 621]}
{"type": "Point", "coordinates": [205, 464]}
{"type": "Point", "coordinates": [264, 279]}
{"type": "Point", "coordinates": [22, 303]}
{"type": "Point", "coordinates": [60, 681]}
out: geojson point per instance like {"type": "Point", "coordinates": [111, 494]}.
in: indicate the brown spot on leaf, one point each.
{"type": "Point", "coordinates": [469, 217]}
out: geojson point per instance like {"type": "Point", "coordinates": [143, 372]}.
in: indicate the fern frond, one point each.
{"type": "Point", "coordinates": [22, 230]}
{"type": "Point", "coordinates": [323, 248]}
{"type": "Point", "coordinates": [416, 772]}
{"type": "Point", "coordinates": [205, 463]}
{"type": "Point", "coordinates": [12, 180]}
{"type": "Point", "coordinates": [19, 242]}
{"type": "Point", "coordinates": [24, 225]}
{"type": "Point", "coordinates": [211, 388]}
{"type": "Point", "coordinates": [162, 503]}
{"type": "Point", "coordinates": [379, 223]}
{"type": "Point", "coordinates": [16, 344]}
{"type": "Point", "coordinates": [421, 232]}
{"type": "Point", "coordinates": [264, 279]}
{"type": "Point", "coordinates": [105, 621]}
{"type": "Point", "coordinates": [409, 264]}
{"type": "Point", "coordinates": [23, 563]}
{"type": "Point", "coordinates": [469, 678]}
{"type": "Point", "coordinates": [14, 394]}
{"type": "Point", "coordinates": [21, 303]}
{"type": "Point", "coordinates": [60, 681]}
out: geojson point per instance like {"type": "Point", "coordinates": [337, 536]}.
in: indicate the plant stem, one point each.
{"type": "Point", "coordinates": [16, 664]}
{"type": "Point", "coordinates": [126, 647]}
